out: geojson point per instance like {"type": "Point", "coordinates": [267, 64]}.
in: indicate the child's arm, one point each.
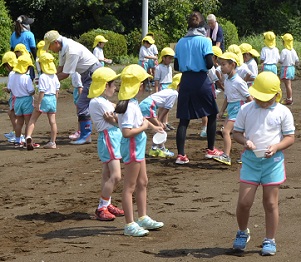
{"type": "Point", "coordinates": [249, 99]}
{"type": "Point", "coordinates": [286, 142]}
{"type": "Point", "coordinates": [111, 118]}
{"type": "Point", "coordinates": [40, 98]}
{"type": "Point", "coordinates": [240, 138]}
{"type": "Point", "coordinates": [131, 132]}
{"type": "Point", "coordinates": [156, 86]}
{"type": "Point", "coordinates": [224, 106]}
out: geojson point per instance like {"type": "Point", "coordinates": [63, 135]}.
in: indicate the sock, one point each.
{"type": "Point", "coordinates": [104, 202]}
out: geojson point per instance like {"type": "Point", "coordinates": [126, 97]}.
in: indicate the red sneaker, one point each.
{"type": "Point", "coordinates": [103, 214]}
{"type": "Point", "coordinates": [181, 160]}
{"type": "Point", "coordinates": [213, 153]}
{"type": "Point", "coordinates": [115, 211]}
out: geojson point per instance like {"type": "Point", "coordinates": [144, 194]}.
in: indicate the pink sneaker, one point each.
{"type": "Point", "coordinates": [75, 136]}
{"type": "Point", "coordinates": [181, 160]}
{"type": "Point", "coordinates": [213, 153]}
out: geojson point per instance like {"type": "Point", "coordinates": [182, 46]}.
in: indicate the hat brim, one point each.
{"type": "Point", "coordinates": [127, 92]}
{"type": "Point", "coordinates": [96, 88]}
{"type": "Point", "coordinates": [27, 21]}
{"type": "Point", "coordinates": [259, 95]}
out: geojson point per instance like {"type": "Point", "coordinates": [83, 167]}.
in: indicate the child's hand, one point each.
{"type": "Point", "coordinates": [109, 117]}
{"type": "Point", "coordinates": [5, 89]}
{"type": "Point", "coordinates": [158, 129]}
{"type": "Point", "coordinates": [249, 145]}
{"type": "Point", "coordinates": [271, 151]}
{"type": "Point", "coordinates": [145, 123]}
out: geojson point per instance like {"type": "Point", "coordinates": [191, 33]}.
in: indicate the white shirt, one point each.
{"type": "Point", "coordinates": [153, 50]}
{"type": "Point", "coordinates": [132, 118]}
{"type": "Point", "coordinates": [49, 84]}
{"type": "Point", "coordinates": [97, 107]}
{"type": "Point", "coordinates": [165, 98]}
{"type": "Point", "coordinates": [269, 55]}
{"type": "Point", "coordinates": [288, 57]}
{"type": "Point", "coordinates": [236, 89]}
{"type": "Point", "coordinates": [243, 70]}
{"type": "Point", "coordinates": [76, 80]}
{"type": "Point", "coordinates": [20, 85]}
{"type": "Point", "coordinates": [144, 52]}
{"type": "Point", "coordinates": [264, 127]}
{"type": "Point", "coordinates": [163, 74]}
{"type": "Point", "coordinates": [253, 67]}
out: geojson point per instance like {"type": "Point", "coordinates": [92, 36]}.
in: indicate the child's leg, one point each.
{"type": "Point", "coordinates": [142, 182]}
{"type": "Point", "coordinates": [227, 137]}
{"type": "Point", "coordinates": [19, 125]}
{"type": "Point", "coordinates": [52, 123]}
{"type": "Point", "coordinates": [288, 87]}
{"type": "Point", "coordinates": [26, 120]}
{"type": "Point", "coordinates": [34, 117]}
{"type": "Point", "coordinates": [12, 117]}
{"type": "Point", "coordinates": [270, 204]}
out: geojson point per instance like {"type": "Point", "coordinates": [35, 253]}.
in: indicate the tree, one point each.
{"type": "Point", "coordinates": [5, 29]}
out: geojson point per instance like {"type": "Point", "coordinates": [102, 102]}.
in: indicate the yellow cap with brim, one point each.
{"type": "Point", "coordinates": [47, 65]}
{"type": "Point", "coordinates": [24, 61]}
{"type": "Point", "coordinates": [131, 78]}
{"type": "Point", "coordinates": [148, 39]}
{"type": "Point", "coordinates": [229, 56]}
{"type": "Point", "coordinates": [21, 48]}
{"type": "Point", "coordinates": [288, 41]}
{"type": "Point", "coordinates": [166, 51]}
{"type": "Point", "coordinates": [100, 78]}
{"type": "Point", "coordinates": [266, 86]}
{"type": "Point", "coordinates": [99, 39]}
{"type": "Point", "coordinates": [217, 51]}
{"type": "Point", "coordinates": [40, 47]}
{"type": "Point", "coordinates": [50, 37]}
{"type": "Point", "coordinates": [175, 81]}
{"type": "Point", "coordinates": [9, 58]}
{"type": "Point", "coordinates": [236, 50]}
{"type": "Point", "coordinates": [247, 48]}
{"type": "Point", "coordinates": [269, 39]}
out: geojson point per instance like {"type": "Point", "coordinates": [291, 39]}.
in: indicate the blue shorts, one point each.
{"type": "Point", "coordinates": [287, 72]}
{"type": "Point", "coordinates": [48, 104]}
{"type": "Point", "coordinates": [232, 109]}
{"type": "Point", "coordinates": [23, 106]}
{"type": "Point", "coordinates": [264, 171]}
{"type": "Point", "coordinates": [143, 64]}
{"type": "Point", "coordinates": [108, 144]}
{"type": "Point", "coordinates": [133, 148]}
{"type": "Point", "coordinates": [75, 95]}
{"type": "Point", "coordinates": [270, 67]}
{"type": "Point", "coordinates": [10, 102]}
{"type": "Point", "coordinates": [148, 108]}
{"type": "Point", "coordinates": [163, 86]}
{"type": "Point", "coordinates": [151, 63]}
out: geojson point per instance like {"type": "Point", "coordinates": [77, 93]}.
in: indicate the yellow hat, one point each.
{"type": "Point", "coordinates": [230, 56]}
{"type": "Point", "coordinates": [266, 86]}
{"type": "Point", "coordinates": [24, 61]}
{"type": "Point", "coordinates": [100, 78]}
{"type": "Point", "coordinates": [40, 50]}
{"type": "Point", "coordinates": [236, 50]}
{"type": "Point", "coordinates": [47, 65]}
{"type": "Point", "coordinates": [217, 51]}
{"type": "Point", "coordinates": [131, 78]}
{"type": "Point", "coordinates": [50, 37]}
{"type": "Point", "coordinates": [269, 39]}
{"type": "Point", "coordinates": [166, 51]}
{"type": "Point", "coordinates": [247, 48]}
{"type": "Point", "coordinates": [99, 39]}
{"type": "Point", "coordinates": [175, 81]}
{"type": "Point", "coordinates": [21, 48]}
{"type": "Point", "coordinates": [288, 41]}
{"type": "Point", "coordinates": [148, 39]}
{"type": "Point", "coordinates": [9, 58]}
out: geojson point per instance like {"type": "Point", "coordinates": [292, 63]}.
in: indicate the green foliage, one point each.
{"type": "Point", "coordinates": [126, 60]}
{"type": "Point", "coordinates": [230, 31]}
{"type": "Point", "coordinates": [114, 48]}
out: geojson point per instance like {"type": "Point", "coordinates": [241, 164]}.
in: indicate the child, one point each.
{"type": "Point", "coordinates": [40, 51]}
{"type": "Point", "coordinates": [236, 93]}
{"type": "Point", "coordinates": [274, 131]}
{"type": "Point", "coordinates": [269, 55]}
{"type": "Point", "coordinates": [109, 137]}
{"type": "Point", "coordinates": [153, 52]}
{"type": "Point", "coordinates": [288, 60]}
{"type": "Point", "coordinates": [163, 78]}
{"type": "Point", "coordinates": [163, 100]}
{"type": "Point", "coordinates": [22, 90]}
{"type": "Point", "coordinates": [99, 43]}
{"type": "Point", "coordinates": [20, 49]}
{"type": "Point", "coordinates": [250, 56]}
{"type": "Point", "coordinates": [49, 86]}
{"type": "Point", "coordinates": [133, 143]}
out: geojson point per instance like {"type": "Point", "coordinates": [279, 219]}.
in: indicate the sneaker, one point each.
{"type": "Point", "coordinates": [268, 247]}
{"type": "Point", "coordinates": [29, 144]}
{"type": "Point", "coordinates": [135, 230]}
{"type": "Point", "coordinates": [11, 140]}
{"type": "Point", "coordinates": [103, 214]}
{"type": "Point", "coordinates": [170, 126]}
{"type": "Point", "coordinates": [241, 240]}
{"type": "Point", "coordinates": [203, 133]}
{"type": "Point", "coordinates": [213, 153]}
{"type": "Point", "coordinates": [181, 160]}
{"type": "Point", "coordinates": [22, 139]}
{"type": "Point", "coordinates": [115, 211]}
{"type": "Point", "coordinates": [149, 224]}
{"type": "Point", "coordinates": [287, 102]}
{"type": "Point", "coordinates": [50, 145]}
{"type": "Point", "coordinates": [164, 152]}
{"type": "Point", "coordinates": [75, 136]}
{"type": "Point", "coordinates": [10, 135]}
{"type": "Point", "coordinates": [238, 161]}
{"type": "Point", "coordinates": [153, 152]}
{"type": "Point", "coordinates": [18, 145]}
{"type": "Point", "coordinates": [223, 159]}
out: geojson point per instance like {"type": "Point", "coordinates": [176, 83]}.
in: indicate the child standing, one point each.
{"type": "Point", "coordinates": [49, 86]}
{"type": "Point", "coordinates": [20, 49]}
{"type": "Point", "coordinates": [269, 55]}
{"type": "Point", "coordinates": [153, 52]}
{"type": "Point", "coordinates": [288, 60]}
{"type": "Point", "coordinates": [133, 143]}
{"type": "Point", "coordinates": [274, 131]}
{"type": "Point", "coordinates": [236, 93]}
{"type": "Point", "coordinates": [98, 45]}
{"type": "Point", "coordinates": [21, 86]}
{"type": "Point", "coordinates": [109, 137]}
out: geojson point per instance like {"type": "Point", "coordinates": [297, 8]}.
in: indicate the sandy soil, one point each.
{"type": "Point", "coordinates": [48, 198]}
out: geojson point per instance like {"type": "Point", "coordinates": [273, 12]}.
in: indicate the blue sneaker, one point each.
{"type": "Point", "coordinates": [164, 152]}
{"type": "Point", "coordinates": [149, 224]}
{"type": "Point", "coordinates": [268, 247]}
{"type": "Point", "coordinates": [135, 230]}
{"type": "Point", "coordinates": [241, 240]}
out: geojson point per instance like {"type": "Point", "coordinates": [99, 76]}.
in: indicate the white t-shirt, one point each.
{"type": "Point", "coordinates": [253, 67]}
{"type": "Point", "coordinates": [165, 98]}
{"type": "Point", "coordinates": [76, 80]}
{"type": "Point", "coordinates": [49, 84]}
{"type": "Point", "coordinates": [97, 107]}
{"type": "Point", "coordinates": [132, 118]}
{"type": "Point", "coordinates": [269, 55]}
{"type": "Point", "coordinates": [163, 74]}
{"type": "Point", "coordinates": [243, 70]}
{"type": "Point", "coordinates": [288, 57]}
{"type": "Point", "coordinates": [20, 84]}
{"type": "Point", "coordinates": [264, 127]}
{"type": "Point", "coordinates": [236, 89]}
{"type": "Point", "coordinates": [144, 52]}
{"type": "Point", "coordinates": [153, 50]}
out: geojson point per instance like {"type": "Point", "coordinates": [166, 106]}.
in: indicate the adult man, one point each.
{"type": "Point", "coordinates": [74, 57]}
{"type": "Point", "coordinates": [215, 32]}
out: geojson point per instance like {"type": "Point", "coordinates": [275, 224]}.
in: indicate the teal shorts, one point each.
{"type": "Point", "coordinates": [270, 67]}
{"type": "Point", "coordinates": [148, 108]}
{"type": "Point", "coordinates": [48, 104]}
{"type": "Point", "coordinates": [287, 72]}
{"type": "Point", "coordinates": [75, 95]}
{"type": "Point", "coordinates": [233, 109]}
{"type": "Point", "coordinates": [143, 64]}
{"type": "Point", "coordinates": [23, 106]}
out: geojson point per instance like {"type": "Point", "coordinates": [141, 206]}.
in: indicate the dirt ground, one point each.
{"type": "Point", "coordinates": [48, 199]}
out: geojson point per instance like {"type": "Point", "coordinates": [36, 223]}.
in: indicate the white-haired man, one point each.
{"type": "Point", "coordinates": [215, 32]}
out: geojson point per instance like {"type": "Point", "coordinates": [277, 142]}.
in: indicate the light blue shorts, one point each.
{"type": "Point", "coordinates": [148, 108]}
{"type": "Point", "coordinates": [287, 72]}
{"type": "Point", "coordinates": [264, 171]}
{"type": "Point", "coordinates": [10, 102]}
{"type": "Point", "coordinates": [163, 86]}
{"type": "Point", "coordinates": [108, 144]}
{"type": "Point", "coordinates": [133, 149]}
{"type": "Point", "coordinates": [48, 104]}
{"type": "Point", "coordinates": [232, 109]}
{"type": "Point", "coordinates": [151, 63]}
{"type": "Point", "coordinates": [75, 95]}
{"type": "Point", "coordinates": [270, 67]}
{"type": "Point", "coordinates": [143, 64]}
{"type": "Point", "coordinates": [23, 106]}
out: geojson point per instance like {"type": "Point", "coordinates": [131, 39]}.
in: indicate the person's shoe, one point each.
{"type": "Point", "coordinates": [115, 211]}
{"type": "Point", "coordinates": [164, 152]}
{"type": "Point", "coordinates": [223, 159]}
{"type": "Point", "coordinates": [238, 161]}
{"type": "Point", "coordinates": [268, 247]}
{"type": "Point", "coordinates": [170, 126]}
{"type": "Point", "coordinates": [29, 144]}
{"type": "Point", "coordinates": [75, 136]}
{"type": "Point", "coordinates": [220, 132]}
{"type": "Point", "coordinates": [166, 128]}
{"type": "Point", "coordinates": [153, 152]}
{"type": "Point", "coordinates": [181, 160]}
{"type": "Point", "coordinates": [213, 153]}
{"type": "Point", "coordinates": [149, 224]}
{"type": "Point", "coordinates": [10, 135]}
{"type": "Point", "coordinates": [50, 145]}
{"type": "Point", "coordinates": [135, 230]}
{"type": "Point", "coordinates": [103, 214]}
{"type": "Point", "coordinates": [18, 145]}
{"type": "Point", "coordinates": [241, 240]}
{"type": "Point", "coordinates": [23, 140]}
{"type": "Point", "coordinates": [11, 140]}
{"type": "Point", "coordinates": [203, 133]}
{"type": "Point", "coordinates": [287, 102]}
